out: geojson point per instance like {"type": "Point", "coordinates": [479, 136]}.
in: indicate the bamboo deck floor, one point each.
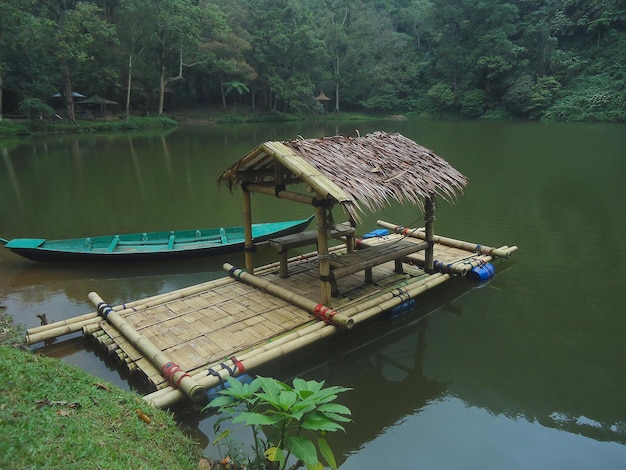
{"type": "Point", "coordinates": [231, 318]}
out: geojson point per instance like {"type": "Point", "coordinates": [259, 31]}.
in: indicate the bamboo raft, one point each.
{"type": "Point", "coordinates": [187, 341]}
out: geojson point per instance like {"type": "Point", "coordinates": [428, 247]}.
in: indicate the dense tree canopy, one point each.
{"type": "Point", "coordinates": [525, 59]}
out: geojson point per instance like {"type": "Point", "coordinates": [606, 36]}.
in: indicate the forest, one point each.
{"type": "Point", "coordinates": [562, 60]}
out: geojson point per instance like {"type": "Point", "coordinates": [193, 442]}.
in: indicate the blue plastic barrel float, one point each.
{"type": "Point", "coordinates": [481, 273]}
{"type": "Point", "coordinates": [381, 232]}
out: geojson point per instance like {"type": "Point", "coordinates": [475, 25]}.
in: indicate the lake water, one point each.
{"type": "Point", "coordinates": [528, 371]}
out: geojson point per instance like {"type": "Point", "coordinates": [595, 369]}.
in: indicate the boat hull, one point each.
{"type": "Point", "coordinates": [150, 245]}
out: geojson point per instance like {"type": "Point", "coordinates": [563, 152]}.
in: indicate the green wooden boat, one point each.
{"type": "Point", "coordinates": [150, 245]}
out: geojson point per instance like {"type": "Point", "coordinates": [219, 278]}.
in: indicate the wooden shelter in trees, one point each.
{"type": "Point", "coordinates": [323, 99]}
{"type": "Point", "coordinates": [355, 173]}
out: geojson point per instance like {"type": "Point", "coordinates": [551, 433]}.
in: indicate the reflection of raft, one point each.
{"type": "Point", "coordinates": [202, 334]}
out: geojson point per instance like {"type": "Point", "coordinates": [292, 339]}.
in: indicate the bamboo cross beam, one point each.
{"type": "Point", "coordinates": [158, 358]}
{"type": "Point", "coordinates": [318, 310]}
{"type": "Point", "coordinates": [503, 252]}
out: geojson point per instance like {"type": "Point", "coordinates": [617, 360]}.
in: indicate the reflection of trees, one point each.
{"type": "Point", "coordinates": [11, 174]}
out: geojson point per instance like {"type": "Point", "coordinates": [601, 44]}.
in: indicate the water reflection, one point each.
{"type": "Point", "coordinates": [527, 372]}
{"type": "Point", "coordinates": [385, 357]}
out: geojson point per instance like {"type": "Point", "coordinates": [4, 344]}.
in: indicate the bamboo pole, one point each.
{"type": "Point", "coordinates": [427, 284]}
{"type": "Point", "coordinates": [247, 229]}
{"type": "Point", "coordinates": [318, 310]}
{"type": "Point", "coordinates": [503, 252]}
{"type": "Point", "coordinates": [170, 369]}
{"type": "Point", "coordinates": [459, 266]}
{"type": "Point", "coordinates": [429, 219]}
{"type": "Point", "coordinates": [69, 321]}
{"type": "Point", "coordinates": [60, 330]}
{"type": "Point", "coordinates": [322, 249]}
{"type": "Point", "coordinates": [396, 296]}
{"type": "Point", "coordinates": [289, 195]}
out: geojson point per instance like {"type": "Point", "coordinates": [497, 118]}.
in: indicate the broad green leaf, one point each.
{"type": "Point", "coordinates": [336, 417]}
{"type": "Point", "coordinates": [334, 408]}
{"type": "Point", "coordinates": [309, 386]}
{"type": "Point", "coordinates": [256, 419]}
{"type": "Point", "coordinates": [327, 453]}
{"type": "Point", "coordinates": [302, 448]}
{"type": "Point", "coordinates": [286, 399]}
{"type": "Point", "coordinates": [318, 422]}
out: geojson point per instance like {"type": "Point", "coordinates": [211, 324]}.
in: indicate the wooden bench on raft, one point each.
{"type": "Point", "coordinates": [366, 258]}
{"type": "Point", "coordinates": [283, 244]}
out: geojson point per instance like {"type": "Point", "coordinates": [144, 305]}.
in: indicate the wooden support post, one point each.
{"type": "Point", "coordinates": [322, 252]}
{"type": "Point", "coordinates": [247, 230]}
{"type": "Point", "coordinates": [429, 220]}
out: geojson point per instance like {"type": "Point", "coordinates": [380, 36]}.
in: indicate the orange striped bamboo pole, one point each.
{"type": "Point", "coordinates": [169, 369]}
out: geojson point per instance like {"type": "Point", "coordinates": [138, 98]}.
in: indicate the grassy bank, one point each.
{"type": "Point", "coordinates": [53, 415]}
{"type": "Point", "coordinates": [210, 115]}
{"type": "Point", "coordinates": [36, 127]}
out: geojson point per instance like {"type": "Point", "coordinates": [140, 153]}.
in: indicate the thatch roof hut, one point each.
{"type": "Point", "coordinates": [356, 172]}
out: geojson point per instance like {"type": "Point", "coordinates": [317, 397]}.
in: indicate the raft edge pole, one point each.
{"type": "Point", "coordinates": [157, 357]}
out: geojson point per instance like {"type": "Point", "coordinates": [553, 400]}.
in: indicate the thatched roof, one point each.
{"type": "Point", "coordinates": [370, 171]}
{"type": "Point", "coordinates": [322, 97]}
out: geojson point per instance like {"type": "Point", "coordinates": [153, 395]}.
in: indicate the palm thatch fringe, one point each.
{"type": "Point", "coordinates": [372, 171]}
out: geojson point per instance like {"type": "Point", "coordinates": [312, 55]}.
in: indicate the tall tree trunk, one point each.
{"type": "Point", "coordinates": [128, 85]}
{"type": "Point", "coordinates": [0, 93]}
{"type": "Point", "coordinates": [69, 97]}
{"type": "Point", "coordinates": [222, 92]}
{"type": "Point", "coordinates": [337, 81]}
{"type": "Point", "coordinates": [161, 89]}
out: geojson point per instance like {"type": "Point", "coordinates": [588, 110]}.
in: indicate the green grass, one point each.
{"type": "Point", "coordinates": [10, 128]}
{"type": "Point", "coordinates": [37, 127]}
{"type": "Point", "coordinates": [53, 415]}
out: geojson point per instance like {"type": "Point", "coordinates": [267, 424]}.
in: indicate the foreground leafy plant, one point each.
{"type": "Point", "coordinates": [293, 420]}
